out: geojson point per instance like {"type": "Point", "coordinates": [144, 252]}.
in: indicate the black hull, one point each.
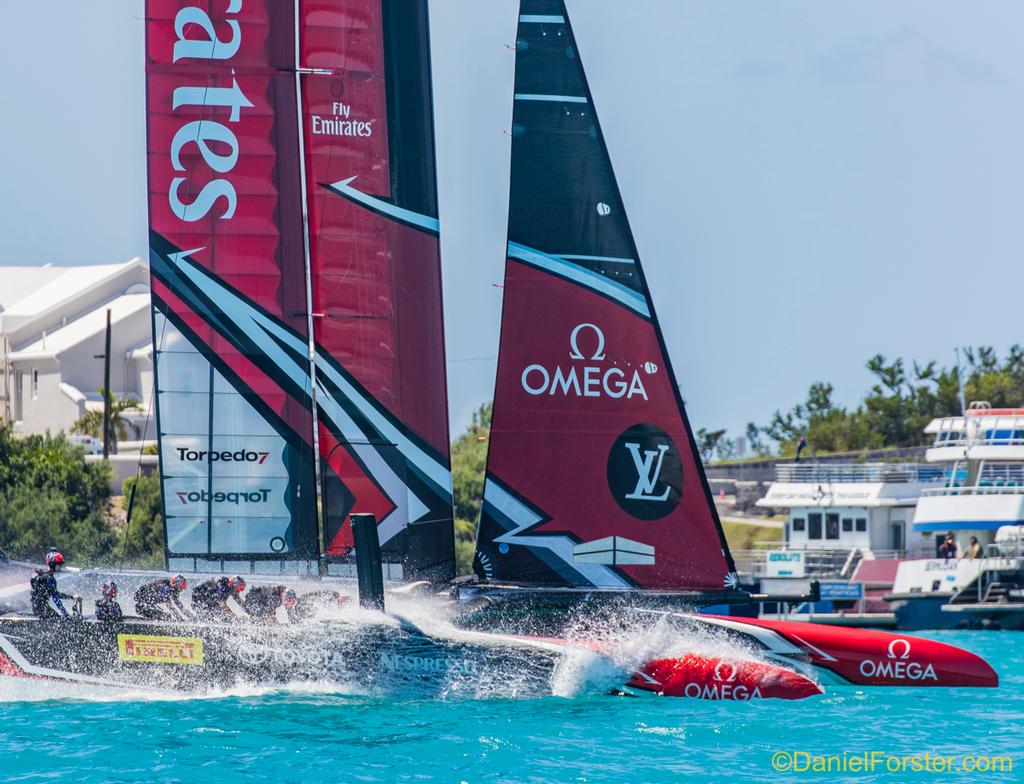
{"type": "Point", "coordinates": [378, 659]}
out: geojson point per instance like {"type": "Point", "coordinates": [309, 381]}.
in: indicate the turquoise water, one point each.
{"type": "Point", "coordinates": [323, 734]}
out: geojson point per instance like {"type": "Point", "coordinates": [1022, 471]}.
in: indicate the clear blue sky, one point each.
{"type": "Point", "coordinates": [809, 183]}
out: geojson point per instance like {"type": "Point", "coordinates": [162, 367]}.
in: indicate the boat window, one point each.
{"type": "Point", "coordinates": [831, 526]}
{"type": "Point", "coordinates": [799, 524]}
{"type": "Point", "coordinates": [814, 525]}
{"type": "Point", "coordinates": [847, 524]}
{"type": "Point", "coordinates": [862, 524]}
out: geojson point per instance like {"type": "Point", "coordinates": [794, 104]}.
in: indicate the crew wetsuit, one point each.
{"type": "Point", "coordinates": [158, 601]}
{"type": "Point", "coordinates": [44, 590]}
{"type": "Point", "coordinates": [262, 601]}
{"type": "Point", "coordinates": [210, 600]}
{"type": "Point", "coordinates": [108, 610]}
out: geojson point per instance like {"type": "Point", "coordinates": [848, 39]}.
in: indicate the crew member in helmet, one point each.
{"type": "Point", "coordinates": [44, 594]}
{"type": "Point", "coordinates": [210, 599]}
{"type": "Point", "coordinates": [262, 601]}
{"type": "Point", "coordinates": [158, 600]}
{"type": "Point", "coordinates": [107, 608]}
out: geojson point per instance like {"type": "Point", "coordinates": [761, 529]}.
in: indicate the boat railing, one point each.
{"type": "Point", "coordinates": [991, 437]}
{"type": "Point", "coordinates": [997, 488]}
{"type": "Point", "coordinates": [837, 563]}
{"type": "Point", "coordinates": [859, 472]}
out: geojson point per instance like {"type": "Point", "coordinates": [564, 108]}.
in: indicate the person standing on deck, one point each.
{"type": "Point", "coordinates": [43, 586]}
{"type": "Point", "coordinates": [973, 550]}
{"type": "Point", "coordinates": [948, 548]}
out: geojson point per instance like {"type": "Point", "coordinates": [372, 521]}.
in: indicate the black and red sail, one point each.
{"type": "Point", "coordinates": [258, 112]}
{"type": "Point", "coordinates": [592, 475]}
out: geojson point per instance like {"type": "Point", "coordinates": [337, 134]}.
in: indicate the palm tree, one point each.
{"type": "Point", "coordinates": [91, 422]}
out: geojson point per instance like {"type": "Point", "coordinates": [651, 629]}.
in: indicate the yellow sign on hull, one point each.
{"type": "Point", "coordinates": [163, 650]}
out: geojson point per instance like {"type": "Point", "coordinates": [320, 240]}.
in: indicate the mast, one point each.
{"type": "Point", "coordinates": [299, 70]}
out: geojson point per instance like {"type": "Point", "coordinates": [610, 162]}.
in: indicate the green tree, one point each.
{"type": "Point", "coordinates": [469, 462]}
{"type": "Point", "coordinates": [708, 442]}
{"type": "Point", "coordinates": [121, 428]}
{"type": "Point", "coordinates": [51, 497]}
{"type": "Point", "coordinates": [898, 405]}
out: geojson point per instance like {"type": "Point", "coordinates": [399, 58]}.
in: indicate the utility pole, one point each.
{"type": "Point", "coordinates": [106, 393]}
{"type": "Point", "coordinates": [960, 382]}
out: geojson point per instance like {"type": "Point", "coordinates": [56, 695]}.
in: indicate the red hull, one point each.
{"type": "Point", "coordinates": [865, 657]}
{"type": "Point", "coordinates": [715, 678]}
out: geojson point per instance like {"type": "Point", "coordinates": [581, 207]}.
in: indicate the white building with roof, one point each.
{"type": "Point", "coordinates": [52, 335]}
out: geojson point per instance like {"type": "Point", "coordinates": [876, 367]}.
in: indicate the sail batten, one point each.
{"type": "Point", "coordinates": [593, 479]}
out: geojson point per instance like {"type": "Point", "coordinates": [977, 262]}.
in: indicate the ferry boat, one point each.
{"type": "Point", "coordinates": [847, 526]}
{"type": "Point", "coordinates": [873, 533]}
{"type": "Point", "coordinates": [982, 457]}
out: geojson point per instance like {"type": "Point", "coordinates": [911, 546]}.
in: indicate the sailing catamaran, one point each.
{"type": "Point", "coordinates": [300, 376]}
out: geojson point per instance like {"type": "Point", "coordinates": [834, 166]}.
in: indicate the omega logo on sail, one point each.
{"type": "Point", "coordinates": [586, 380]}
{"type": "Point", "coordinates": [206, 134]}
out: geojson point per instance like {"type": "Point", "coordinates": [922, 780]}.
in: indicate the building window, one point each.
{"type": "Point", "coordinates": [35, 384]}
{"type": "Point", "coordinates": [19, 395]}
{"type": "Point", "coordinates": [847, 524]}
{"type": "Point", "coordinates": [814, 525]}
{"type": "Point", "coordinates": [831, 526]}
{"type": "Point", "coordinates": [799, 524]}
{"type": "Point", "coordinates": [862, 524]}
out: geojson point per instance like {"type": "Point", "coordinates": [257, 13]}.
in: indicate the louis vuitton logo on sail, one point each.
{"type": "Point", "coordinates": [582, 379]}
{"type": "Point", "coordinates": [648, 471]}
{"type": "Point", "coordinates": [645, 473]}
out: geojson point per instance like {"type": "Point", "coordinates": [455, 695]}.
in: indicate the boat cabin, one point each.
{"type": "Point", "coordinates": [846, 506]}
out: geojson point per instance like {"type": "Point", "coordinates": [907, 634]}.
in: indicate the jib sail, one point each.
{"type": "Point", "coordinates": [381, 392]}
{"type": "Point", "coordinates": [592, 475]}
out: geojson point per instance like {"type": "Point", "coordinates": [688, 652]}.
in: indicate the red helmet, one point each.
{"type": "Point", "coordinates": [54, 559]}
{"type": "Point", "coordinates": [179, 583]}
{"type": "Point", "coordinates": [236, 583]}
{"type": "Point", "coordinates": [109, 589]}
